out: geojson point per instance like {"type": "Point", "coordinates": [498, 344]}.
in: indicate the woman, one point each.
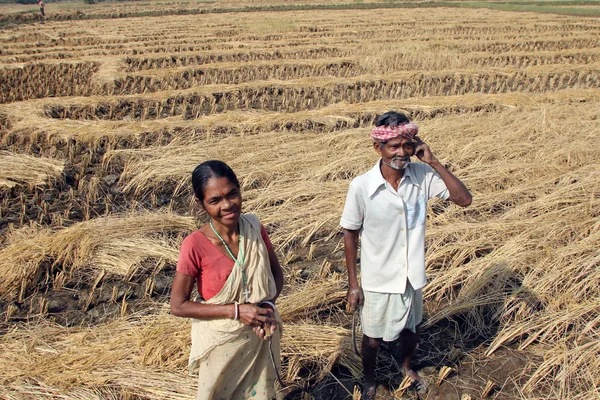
{"type": "Point", "coordinates": [238, 276]}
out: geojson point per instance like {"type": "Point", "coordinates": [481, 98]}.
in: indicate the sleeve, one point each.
{"type": "Point", "coordinates": [265, 237]}
{"type": "Point", "coordinates": [437, 187]}
{"type": "Point", "coordinates": [189, 259]}
{"type": "Point", "coordinates": [354, 209]}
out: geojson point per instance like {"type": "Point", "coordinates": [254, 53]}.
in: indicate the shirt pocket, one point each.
{"type": "Point", "coordinates": [415, 213]}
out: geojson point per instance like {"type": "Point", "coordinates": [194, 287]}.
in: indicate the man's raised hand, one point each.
{"type": "Point", "coordinates": [423, 152]}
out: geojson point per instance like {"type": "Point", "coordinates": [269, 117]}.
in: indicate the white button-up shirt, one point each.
{"type": "Point", "coordinates": [392, 225]}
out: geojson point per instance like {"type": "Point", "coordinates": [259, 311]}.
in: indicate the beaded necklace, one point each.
{"type": "Point", "coordinates": [238, 260]}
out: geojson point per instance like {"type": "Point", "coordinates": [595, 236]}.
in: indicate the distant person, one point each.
{"type": "Point", "coordinates": [42, 12]}
{"type": "Point", "coordinates": [238, 276]}
{"type": "Point", "coordinates": [386, 208]}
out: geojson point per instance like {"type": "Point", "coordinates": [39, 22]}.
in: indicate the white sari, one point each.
{"type": "Point", "coordinates": [232, 362]}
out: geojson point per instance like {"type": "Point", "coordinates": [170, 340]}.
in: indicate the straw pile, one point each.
{"type": "Point", "coordinates": [116, 244]}
{"type": "Point", "coordinates": [21, 169]}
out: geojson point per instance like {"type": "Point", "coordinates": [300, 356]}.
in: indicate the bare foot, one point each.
{"type": "Point", "coordinates": [419, 382]}
{"type": "Point", "coordinates": [369, 390]}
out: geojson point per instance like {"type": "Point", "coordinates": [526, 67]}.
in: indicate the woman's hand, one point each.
{"type": "Point", "coordinates": [258, 318]}
{"type": "Point", "coordinates": [261, 331]}
{"type": "Point", "coordinates": [268, 329]}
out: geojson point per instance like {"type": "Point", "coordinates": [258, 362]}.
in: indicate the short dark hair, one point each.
{"type": "Point", "coordinates": [391, 119]}
{"type": "Point", "coordinates": [208, 170]}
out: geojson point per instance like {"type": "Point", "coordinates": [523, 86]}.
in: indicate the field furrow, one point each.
{"type": "Point", "coordinates": [140, 64]}
{"type": "Point", "coordinates": [296, 97]}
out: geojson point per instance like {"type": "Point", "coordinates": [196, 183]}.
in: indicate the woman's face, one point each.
{"type": "Point", "coordinates": [222, 201]}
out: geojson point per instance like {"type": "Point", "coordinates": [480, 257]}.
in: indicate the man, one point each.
{"type": "Point", "coordinates": [386, 207]}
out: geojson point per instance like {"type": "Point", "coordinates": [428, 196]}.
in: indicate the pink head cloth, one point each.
{"type": "Point", "coordinates": [385, 133]}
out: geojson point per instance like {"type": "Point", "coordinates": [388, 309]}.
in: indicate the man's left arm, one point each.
{"type": "Point", "coordinates": [459, 194]}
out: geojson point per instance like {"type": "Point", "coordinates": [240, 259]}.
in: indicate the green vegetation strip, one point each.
{"type": "Point", "coordinates": [564, 7]}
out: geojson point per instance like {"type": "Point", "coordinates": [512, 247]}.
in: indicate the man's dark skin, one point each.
{"type": "Point", "coordinates": [459, 194]}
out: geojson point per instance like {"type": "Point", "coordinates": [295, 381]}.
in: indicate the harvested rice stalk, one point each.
{"type": "Point", "coordinates": [18, 169]}
{"type": "Point", "coordinates": [92, 243]}
{"type": "Point", "coordinates": [313, 297]}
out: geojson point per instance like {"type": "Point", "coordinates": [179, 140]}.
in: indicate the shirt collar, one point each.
{"type": "Point", "coordinates": [376, 178]}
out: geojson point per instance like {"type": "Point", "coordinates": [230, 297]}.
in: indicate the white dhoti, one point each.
{"type": "Point", "coordinates": [385, 315]}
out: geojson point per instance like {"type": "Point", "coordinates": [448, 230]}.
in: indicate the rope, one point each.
{"type": "Point", "coordinates": [354, 318]}
{"type": "Point", "coordinates": [283, 385]}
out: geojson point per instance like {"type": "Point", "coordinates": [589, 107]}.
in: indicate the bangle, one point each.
{"type": "Point", "coordinates": [269, 303]}
{"type": "Point", "coordinates": [237, 310]}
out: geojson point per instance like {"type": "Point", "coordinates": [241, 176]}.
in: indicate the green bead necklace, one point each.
{"type": "Point", "coordinates": [238, 260]}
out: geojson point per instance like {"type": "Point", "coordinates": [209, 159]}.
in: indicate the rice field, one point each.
{"type": "Point", "coordinates": [102, 121]}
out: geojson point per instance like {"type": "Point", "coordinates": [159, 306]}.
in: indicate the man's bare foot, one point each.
{"type": "Point", "coordinates": [369, 390]}
{"type": "Point", "coordinates": [419, 382]}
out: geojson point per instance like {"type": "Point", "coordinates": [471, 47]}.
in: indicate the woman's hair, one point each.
{"type": "Point", "coordinates": [391, 119]}
{"type": "Point", "coordinates": [208, 170]}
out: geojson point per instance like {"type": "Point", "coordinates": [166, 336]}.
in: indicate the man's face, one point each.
{"type": "Point", "coordinates": [396, 153]}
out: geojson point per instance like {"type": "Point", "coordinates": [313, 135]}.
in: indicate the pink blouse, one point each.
{"type": "Point", "coordinates": [202, 260]}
